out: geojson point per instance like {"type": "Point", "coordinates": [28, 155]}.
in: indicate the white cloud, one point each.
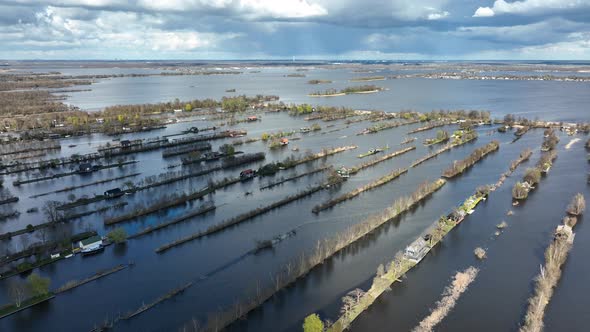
{"type": "Point", "coordinates": [484, 12]}
{"type": "Point", "coordinates": [437, 16]}
{"type": "Point", "coordinates": [527, 7]}
{"type": "Point", "coordinates": [249, 8]}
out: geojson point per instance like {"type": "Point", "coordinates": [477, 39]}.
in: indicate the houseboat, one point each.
{"type": "Point", "coordinates": [416, 251]}
{"type": "Point", "coordinates": [91, 245]}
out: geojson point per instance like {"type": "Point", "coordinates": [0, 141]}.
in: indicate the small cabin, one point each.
{"type": "Point", "coordinates": [112, 193]}
{"type": "Point", "coordinates": [125, 143]}
{"type": "Point", "coordinates": [284, 141]}
{"type": "Point", "coordinates": [85, 168]}
{"type": "Point", "coordinates": [252, 118]}
{"type": "Point", "coordinates": [93, 242]}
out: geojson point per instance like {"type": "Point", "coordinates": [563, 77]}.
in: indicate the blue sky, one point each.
{"type": "Point", "coordinates": [305, 29]}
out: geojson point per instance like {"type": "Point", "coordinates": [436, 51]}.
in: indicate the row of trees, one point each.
{"type": "Point", "coordinates": [459, 166]}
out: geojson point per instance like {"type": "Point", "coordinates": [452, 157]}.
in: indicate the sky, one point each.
{"type": "Point", "coordinates": [304, 29]}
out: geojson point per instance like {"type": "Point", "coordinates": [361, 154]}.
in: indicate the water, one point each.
{"type": "Point", "coordinates": [504, 287]}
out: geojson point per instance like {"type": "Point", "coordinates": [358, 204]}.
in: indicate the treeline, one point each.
{"type": "Point", "coordinates": [459, 167]}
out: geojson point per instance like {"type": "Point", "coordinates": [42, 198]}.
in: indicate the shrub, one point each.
{"type": "Point", "coordinates": [519, 191]}
{"type": "Point", "coordinates": [313, 323]}
{"type": "Point", "coordinates": [117, 235]}
{"type": "Point", "coordinates": [532, 176]}
{"type": "Point", "coordinates": [480, 253]}
{"type": "Point", "coordinates": [39, 286]}
{"type": "Point", "coordinates": [577, 205]}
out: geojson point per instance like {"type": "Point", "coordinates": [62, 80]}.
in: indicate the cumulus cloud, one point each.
{"type": "Point", "coordinates": [484, 12]}
{"type": "Point", "coordinates": [529, 7]}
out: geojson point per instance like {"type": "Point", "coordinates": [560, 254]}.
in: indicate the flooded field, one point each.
{"type": "Point", "coordinates": [224, 267]}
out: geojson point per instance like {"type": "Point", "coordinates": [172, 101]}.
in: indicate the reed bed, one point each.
{"type": "Point", "coordinates": [451, 294]}
{"type": "Point", "coordinates": [545, 283]}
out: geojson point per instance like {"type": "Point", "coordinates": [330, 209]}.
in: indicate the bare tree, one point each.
{"type": "Point", "coordinates": [17, 291]}
{"type": "Point", "coordinates": [51, 212]}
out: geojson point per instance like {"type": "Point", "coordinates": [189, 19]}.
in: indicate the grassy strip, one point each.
{"type": "Point", "coordinates": [325, 249]}
{"type": "Point", "coordinates": [100, 274]}
{"type": "Point", "coordinates": [8, 310]}
{"type": "Point", "coordinates": [85, 185]}
{"type": "Point", "coordinates": [242, 217]}
{"type": "Point", "coordinates": [375, 161]}
{"type": "Point", "coordinates": [324, 153]}
{"type": "Point", "coordinates": [369, 186]}
{"type": "Point", "coordinates": [184, 217]}
{"type": "Point", "coordinates": [478, 154]}
{"type": "Point", "coordinates": [295, 177]}
{"type": "Point", "coordinates": [61, 175]}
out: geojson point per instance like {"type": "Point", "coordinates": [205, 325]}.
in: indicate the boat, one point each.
{"type": "Point", "coordinates": [373, 151]}
{"type": "Point", "coordinates": [305, 130]}
{"type": "Point", "coordinates": [72, 146]}
{"type": "Point", "coordinates": [92, 251]}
